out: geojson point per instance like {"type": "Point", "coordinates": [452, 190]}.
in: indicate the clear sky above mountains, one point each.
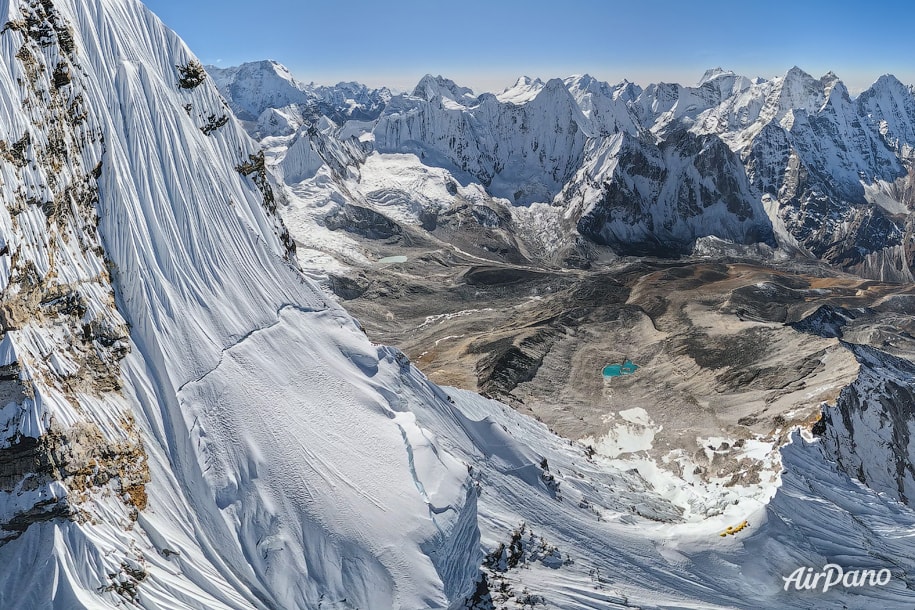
{"type": "Point", "coordinates": [487, 44]}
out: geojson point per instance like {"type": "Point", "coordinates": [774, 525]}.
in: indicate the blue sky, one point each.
{"type": "Point", "coordinates": [487, 44]}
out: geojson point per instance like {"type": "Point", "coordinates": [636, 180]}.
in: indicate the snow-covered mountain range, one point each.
{"type": "Point", "coordinates": [253, 88]}
{"type": "Point", "coordinates": [792, 162]}
{"type": "Point", "coordinates": [189, 421]}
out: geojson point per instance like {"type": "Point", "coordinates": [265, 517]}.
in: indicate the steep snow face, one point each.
{"type": "Point", "coordinates": [431, 88]}
{"type": "Point", "coordinates": [315, 146]}
{"type": "Point", "coordinates": [203, 468]}
{"type": "Point", "coordinates": [63, 337]}
{"type": "Point", "coordinates": [664, 105]}
{"type": "Point", "coordinates": [522, 153]}
{"type": "Point", "coordinates": [524, 90]}
{"type": "Point", "coordinates": [252, 88]}
{"type": "Point", "coordinates": [607, 107]}
{"type": "Point", "coordinates": [889, 107]}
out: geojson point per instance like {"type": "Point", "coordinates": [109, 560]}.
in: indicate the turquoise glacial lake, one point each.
{"type": "Point", "coordinates": [618, 370]}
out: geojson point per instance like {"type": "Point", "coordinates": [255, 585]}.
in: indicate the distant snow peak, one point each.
{"type": "Point", "coordinates": [799, 140]}
{"type": "Point", "coordinates": [712, 73]}
{"type": "Point", "coordinates": [431, 87]}
{"type": "Point", "coordinates": [524, 90]}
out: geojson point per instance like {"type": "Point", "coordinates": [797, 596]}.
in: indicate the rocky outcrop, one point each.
{"type": "Point", "coordinates": [869, 431]}
{"type": "Point", "coordinates": [63, 339]}
{"type": "Point", "coordinates": [82, 460]}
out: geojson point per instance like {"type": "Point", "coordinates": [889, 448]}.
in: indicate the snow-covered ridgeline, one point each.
{"type": "Point", "coordinates": [869, 432]}
{"type": "Point", "coordinates": [834, 169]}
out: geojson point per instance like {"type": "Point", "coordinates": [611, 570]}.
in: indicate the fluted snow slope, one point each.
{"type": "Point", "coordinates": [249, 457]}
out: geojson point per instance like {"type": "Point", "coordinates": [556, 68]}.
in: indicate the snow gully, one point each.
{"type": "Point", "coordinates": [832, 575]}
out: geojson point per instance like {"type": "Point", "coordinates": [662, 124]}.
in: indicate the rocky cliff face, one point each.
{"type": "Point", "coordinates": [662, 196]}
{"type": "Point", "coordinates": [524, 153]}
{"type": "Point", "coordinates": [869, 432]}
{"type": "Point", "coordinates": [64, 339]}
{"type": "Point", "coordinates": [819, 160]}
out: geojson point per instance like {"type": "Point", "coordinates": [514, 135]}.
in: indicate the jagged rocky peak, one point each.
{"type": "Point", "coordinates": [626, 91]}
{"type": "Point", "coordinates": [605, 106]}
{"type": "Point", "coordinates": [527, 81]}
{"type": "Point", "coordinates": [799, 91]}
{"type": "Point", "coordinates": [351, 90]}
{"type": "Point", "coordinates": [889, 106]}
{"type": "Point", "coordinates": [868, 432]}
{"type": "Point", "coordinates": [661, 197]}
{"type": "Point", "coordinates": [584, 84]}
{"type": "Point", "coordinates": [724, 83]}
{"type": "Point", "coordinates": [835, 90]}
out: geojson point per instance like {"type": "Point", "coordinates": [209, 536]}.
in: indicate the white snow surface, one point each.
{"type": "Point", "coordinates": [237, 363]}
{"type": "Point", "coordinates": [294, 464]}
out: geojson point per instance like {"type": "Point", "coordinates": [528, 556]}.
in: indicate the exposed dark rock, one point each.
{"type": "Point", "coordinates": [80, 458]}
{"type": "Point", "coordinates": [501, 370]}
{"type": "Point", "coordinates": [191, 75]}
{"type": "Point", "coordinates": [347, 288]}
{"type": "Point", "coordinates": [826, 321]}
{"type": "Point", "coordinates": [876, 447]}
{"type": "Point", "coordinates": [657, 201]}
{"type": "Point", "coordinates": [500, 276]}
{"type": "Point", "coordinates": [363, 221]}
{"type": "Point", "coordinates": [213, 123]}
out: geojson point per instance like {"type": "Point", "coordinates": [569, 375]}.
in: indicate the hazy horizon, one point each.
{"type": "Point", "coordinates": [486, 46]}
{"type": "Point", "coordinates": [497, 83]}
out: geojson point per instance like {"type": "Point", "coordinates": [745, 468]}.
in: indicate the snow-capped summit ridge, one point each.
{"type": "Point", "coordinates": [712, 73]}
{"type": "Point", "coordinates": [524, 90]}
{"type": "Point", "coordinates": [255, 88]}
{"type": "Point", "coordinates": [438, 87]}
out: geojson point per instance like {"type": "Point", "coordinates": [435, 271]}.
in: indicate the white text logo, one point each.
{"type": "Point", "coordinates": [832, 575]}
